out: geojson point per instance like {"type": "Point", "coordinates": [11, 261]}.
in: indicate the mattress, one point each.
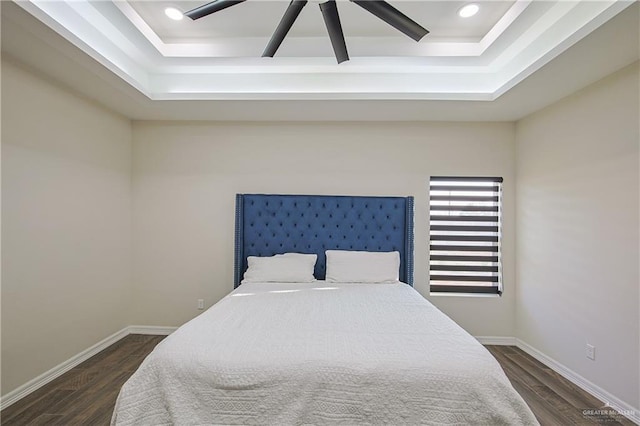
{"type": "Point", "coordinates": [320, 353]}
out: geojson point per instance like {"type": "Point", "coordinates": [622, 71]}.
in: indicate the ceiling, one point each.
{"type": "Point", "coordinates": [260, 18]}
{"type": "Point", "coordinates": [497, 65]}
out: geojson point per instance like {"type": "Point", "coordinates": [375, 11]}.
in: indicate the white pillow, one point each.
{"type": "Point", "coordinates": [283, 268]}
{"type": "Point", "coordinates": [363, 266]}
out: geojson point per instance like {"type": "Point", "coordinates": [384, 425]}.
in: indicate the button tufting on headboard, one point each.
{"type": "Point", "coordinates": [315, 223]}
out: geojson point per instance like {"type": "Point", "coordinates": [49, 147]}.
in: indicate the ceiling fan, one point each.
{"type": "Point", "coordinates": [329, 9]}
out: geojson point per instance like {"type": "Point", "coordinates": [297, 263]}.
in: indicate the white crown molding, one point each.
{"type": "Point", "coordinates": [315, 44]}
{"type": "Point", "coordinates": [59, 17]}
{"type": "Point", "coordinates": [528, 36]}
{"type": "Point", "coordinates": [513, 70]}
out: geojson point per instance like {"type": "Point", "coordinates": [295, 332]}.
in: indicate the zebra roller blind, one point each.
{"type": "Point", "coordinates": [465, 234]}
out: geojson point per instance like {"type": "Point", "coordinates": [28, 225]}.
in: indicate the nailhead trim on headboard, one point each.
{"type": "Point", "coordinates": [274, 224]}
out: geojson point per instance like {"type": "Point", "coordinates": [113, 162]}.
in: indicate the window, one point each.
{"type": "Point", "coordinates": [465, 234]}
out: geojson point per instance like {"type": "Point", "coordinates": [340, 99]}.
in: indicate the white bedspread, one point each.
{"type": "Point", "coordinates": [320, 353]}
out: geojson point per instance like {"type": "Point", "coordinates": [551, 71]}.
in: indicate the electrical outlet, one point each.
{"type": "Point", "coordinates": [591, 352]}
{"type": "Point", "coordinates": [201, 304]}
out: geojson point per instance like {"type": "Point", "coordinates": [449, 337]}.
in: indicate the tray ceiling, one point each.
{"type": "Point", "coordinates": [218, 57]}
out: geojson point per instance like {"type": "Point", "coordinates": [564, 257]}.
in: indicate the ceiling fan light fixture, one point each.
{"type": "Point", "coordinates": [329, 11]}
{"type": "Point", "coordinates": [173, 13]}
{"type": "Point", "coordinates": [209, 8]}
{"type": "Point", "coordinates": [290, 16]}
{"type": "Point", "coordinates": [468, 10]}
{"type": "Point", "coordinates": [393, 17]}
{"type": "Point", "coordinates": [379, 8]}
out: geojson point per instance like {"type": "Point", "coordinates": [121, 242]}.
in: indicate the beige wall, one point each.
{"type": "Point", "coordinates": [186, 176]}
{"type": "Point", "coordinates": [577, 231]}
{"type": "Point", "coordinates": [95, 239]}
{"type": "Point", "coordinates": [66, 225]}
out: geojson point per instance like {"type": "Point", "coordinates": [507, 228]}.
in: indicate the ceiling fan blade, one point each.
{"type": "Point", "coordinates": [210, 8]}
{"type": "Point", "coordinates": [393, 17]}
{"type": "Point", "coordinates": [289, 17]}
{"type": "Point", "coordinates": [332, 21]}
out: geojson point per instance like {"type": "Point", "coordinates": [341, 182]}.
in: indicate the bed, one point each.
{"type": "Point", "coordinates": [321, 352]}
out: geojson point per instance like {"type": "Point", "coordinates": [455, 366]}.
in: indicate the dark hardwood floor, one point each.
{"type": "Point", "coordinates": [86, 394]}
{"type": "Point", "coordinates": [552, 398]}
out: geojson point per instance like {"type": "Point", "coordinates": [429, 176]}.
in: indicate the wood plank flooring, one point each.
{"type": "Point", "coordinates": [86, 394]}
{"type": "Point", "coordinates": [552, 398]}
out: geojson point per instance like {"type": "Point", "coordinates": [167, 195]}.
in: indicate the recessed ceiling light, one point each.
{"type": "Point", "coordinates": [468, 10]}
{"type": "Point", "coordinates": [173, 13]}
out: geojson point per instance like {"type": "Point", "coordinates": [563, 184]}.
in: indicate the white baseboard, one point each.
{"type": "Point", "coordinates": [48, 376]}
{"type": "Point", "coordinates": [151, 330]}
{"type": "Point", "coordinates": [632, 413]}
{"type": "Point", "coordinates": [57, 371]}
{"type": "Point", "coordinates": [496, 340]}
{"type": "Point", "coordinates": [622, 407]}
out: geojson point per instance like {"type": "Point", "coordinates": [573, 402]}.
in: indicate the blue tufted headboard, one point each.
{"type": "Point", "coordinates": [274, 224]}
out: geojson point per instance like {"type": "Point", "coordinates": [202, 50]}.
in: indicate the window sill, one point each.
{"type": "Point", "coordinates": [444, 294]}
